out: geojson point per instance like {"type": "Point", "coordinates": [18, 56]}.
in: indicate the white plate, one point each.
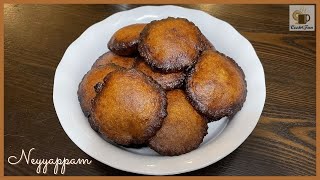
{"type": "Point", "coordinates": [224, 136]}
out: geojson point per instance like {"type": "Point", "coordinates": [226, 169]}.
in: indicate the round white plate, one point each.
{"type": "Point", "coordinates": [223, 137]}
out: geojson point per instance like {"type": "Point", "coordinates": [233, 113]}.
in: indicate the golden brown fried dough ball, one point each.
{"type": "Point", "coordinates": [183, 129]}
{"type": "Point", "coordinates": [166, 80]}
{"type": "Point", "coordinates": [124, 42]}
{"type": "Point", "coordinates": [130, 107]}
{"type": "Point", "coordinates": [86, 90]}
{"type": "Point", "coordinates": [171, 44]}
{"type": "Point", "coordinates": [110, 57]}
{"type": "Point", "coordinates": [216, 85]}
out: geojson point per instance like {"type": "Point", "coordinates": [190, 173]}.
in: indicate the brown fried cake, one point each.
{"type": "Point", "coordinates": [110, 57]}
{"type": "Point", "coordinates": [86, 90]}
{"type": "Point", "coordinates": [129, 108]}
{"type": "Point", "coordinates": [166, 80]}
{"type": "Point", "coordinates": [216, 86]}
{"type": "Point", "coordinates": [171, 44]}
{"type": "Point", "coordinates": [183, 129]}
{"type": "Point", "coordinates": [124, 42]}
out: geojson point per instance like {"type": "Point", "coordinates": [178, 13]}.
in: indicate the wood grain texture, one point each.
{"type": "Point", "coordinates": [283, 143]}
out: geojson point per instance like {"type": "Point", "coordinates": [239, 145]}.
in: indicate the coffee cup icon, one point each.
{"type": "Point", "coordinates": [303, 18]}
{"type": "Point", "coordinates": [300, 17]}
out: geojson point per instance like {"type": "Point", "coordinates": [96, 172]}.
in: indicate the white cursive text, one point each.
{"type": "Point", "coordinates": [43, 163]}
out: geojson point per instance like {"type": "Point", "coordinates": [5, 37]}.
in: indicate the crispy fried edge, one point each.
{"type": "Point", "coordinates": [207, 45]}
{"type": "Point", "coordinates": [162, 152]}
{"type": "Point", "coordinates": [203, 133]}
{"type": "Point", "coordinates": [145, 53]}
{"type": "Point", "coordinates": [158, 119]}
{"type": "Point", "coordinates": [101, 56]}
{"type": "Point", "coordinates": [214, 116]}
{"type": "Point", "coordinates": [173, 85]}
{"type": "Point", "coordinates": [80, 95]}
{"type": "Point", "coordinates": [122, 48]}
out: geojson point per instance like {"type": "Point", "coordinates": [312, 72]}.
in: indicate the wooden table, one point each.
{"type": "Point", "coordinates": [283, 143]}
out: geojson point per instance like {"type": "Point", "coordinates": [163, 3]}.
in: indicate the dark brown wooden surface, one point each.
{"type": "Point", "coordinates": [283, 143]}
